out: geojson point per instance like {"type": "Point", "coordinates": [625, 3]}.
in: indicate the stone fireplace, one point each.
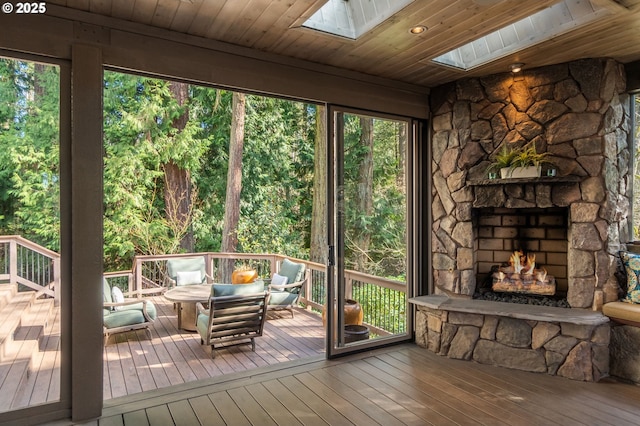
{"type": "Point", "coordinates": [578, 112]}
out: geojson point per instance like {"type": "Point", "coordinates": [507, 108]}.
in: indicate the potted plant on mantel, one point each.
{"type": "Point", "coordinates": [525, 162]}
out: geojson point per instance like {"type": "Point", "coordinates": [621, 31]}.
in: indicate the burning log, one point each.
{"type": "Point", "coordinates": [521, 276]}
{"type": "Point", "coordinates": [522, 264]}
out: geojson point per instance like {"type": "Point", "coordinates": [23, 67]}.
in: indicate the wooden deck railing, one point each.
{"type": "Point", "coordinates": [383, 300]}
{"type": "Point", "coordinates": [38, 268]}
{"type": "Point", "coordinates": [28, 264]}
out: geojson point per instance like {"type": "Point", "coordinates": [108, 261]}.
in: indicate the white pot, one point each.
{"type": "Point", "coordinates": [520, 172]}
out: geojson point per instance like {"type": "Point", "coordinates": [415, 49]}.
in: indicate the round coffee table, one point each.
{"type": "Point", "coordinates": [185, 298]}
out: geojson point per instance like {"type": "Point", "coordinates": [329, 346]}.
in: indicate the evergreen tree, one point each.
{"type": "Point", "coordinates": [30, 116]}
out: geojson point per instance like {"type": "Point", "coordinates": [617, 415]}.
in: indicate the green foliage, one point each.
{"type": "Point", "coordinates": [528, 156]}
{"type": "Point", "coordinates": [509, 157]}
{"type": "Point", "coordinates": [636, 167]}
{"type": "Point", "coordinates": [504, 158]}
{"type": "Point", "coordinates": [29, 160]}
{"type": "Point", "coordinates": [140, 137]}
{"type": "Point", "coordinates": [383, 307]}
{"type": "Point", "coordinates": [386, 225]}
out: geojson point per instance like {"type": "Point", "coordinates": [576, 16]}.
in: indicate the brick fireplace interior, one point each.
{"type": "Point", "coordinates": [501, 231]}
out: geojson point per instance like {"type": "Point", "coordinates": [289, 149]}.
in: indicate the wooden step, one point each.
{"type": "Point", "coordinates": [11, 318]}
{"type": "Point", "coordinates": [35, 321]}
{"type": "Point", "coordinates": [40, 386]}
{"type": "Point", "coordinates": [23, 353]}
{"type": "Point", "coordinates": [7, 291]}
{"type": "Point", "coordinates": [16, 371]}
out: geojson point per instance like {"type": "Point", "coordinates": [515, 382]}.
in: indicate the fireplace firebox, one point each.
{"type": "Point", "coordinates": [521, 250]}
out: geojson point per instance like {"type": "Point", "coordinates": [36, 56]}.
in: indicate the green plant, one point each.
{"type": "Point", "coordinates": [519, 157]}
{"type": "Point", "coordinates": [503, 159]}
{"type": "Point", "coordinates": [244, 266]}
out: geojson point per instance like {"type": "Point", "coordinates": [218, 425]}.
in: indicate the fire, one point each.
{"type": "Point", "coordinates": [522, 264]}
{"type": "Point", "coordinates": [521, 276]}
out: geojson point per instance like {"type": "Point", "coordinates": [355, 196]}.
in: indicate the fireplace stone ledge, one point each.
{"type": "Point", "coordinates": [512, 310]}
{"type": "Point", "coordinates": [571, 343]}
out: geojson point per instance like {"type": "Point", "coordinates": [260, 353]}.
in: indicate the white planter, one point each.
{"type": "Point", "coordinates": [520, 172]}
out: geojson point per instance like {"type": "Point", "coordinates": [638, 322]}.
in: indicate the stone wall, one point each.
{"type": "Point", "coordinates": [577, 352]}
{"type": "Point", "coordinates": [577, 111]}
{"type": "Point", "coordinates": [625, 352]}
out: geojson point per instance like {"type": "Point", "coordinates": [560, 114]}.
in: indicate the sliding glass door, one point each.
{"type": "Point", "coordinates": [34, 140]}
{"type": "Point", "coordinates": [369, 218]}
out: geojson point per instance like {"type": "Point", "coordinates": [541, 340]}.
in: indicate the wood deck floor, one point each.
{"type": "Point", "coordinates": [172, 380]}
{"type": "Point", "coordinates": [135, 364]}
{"type": "Point", "coordinates": [400, 385]}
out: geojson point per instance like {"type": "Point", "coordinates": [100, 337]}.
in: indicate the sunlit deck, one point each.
{"type": "Point", "coordinates": [30, 368]}
{"type": "Point", "coordinates": [135, 364]}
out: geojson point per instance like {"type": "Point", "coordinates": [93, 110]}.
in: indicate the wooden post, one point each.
{"type": "Point", "coordinates": [130, 280]}
{"type": "Point", "coordinates": [56, 281]}
{"type": "Point", "coordinates": [137, 282]}
{"type": "Point", "coordinates": [85, 361]}
{"type": "Point", "coordinates": [13, 261]}
{"type": "Point", "coordinates": [306, 290]}
{"type": "Point", "coordinates": [348, 286]}
{"type": "Point", "coordinates": [208, 267]}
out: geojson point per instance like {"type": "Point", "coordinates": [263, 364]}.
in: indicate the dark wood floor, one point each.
{"type": "Point", "coordinates": [397, 385]}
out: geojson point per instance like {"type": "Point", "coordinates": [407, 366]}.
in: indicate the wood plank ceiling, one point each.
{"type": "Point", "coordinates": [389, 50]}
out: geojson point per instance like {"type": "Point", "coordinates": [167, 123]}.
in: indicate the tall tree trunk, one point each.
{"type": "Point", "coordinates": [402, 157]}
{"type": "Point", "coordinates": [364, 194]}
{"type": "Point", "coordinates": [38, 87]}
{"type": "Point", "coordinates": [234, 187]}
{"type": "Point", "coordinates": [178, 203]}
{"type": "Point", "coordinates": [177, 181]}
{"type": "Point", "coordinates": [318, 247]}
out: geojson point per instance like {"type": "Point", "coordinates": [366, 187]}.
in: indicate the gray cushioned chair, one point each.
{"type": "Point", "coordinates": [235, 316]}
{"type": "Point", "coordinates": [287, 296]}
{"type": "Point", "coordinates": [187, 270]}
{"type": "Point", "coordinates": [120, 317]}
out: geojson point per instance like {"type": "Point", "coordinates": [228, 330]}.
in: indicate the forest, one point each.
{"type": "Point", "coordinates": [190, 168]}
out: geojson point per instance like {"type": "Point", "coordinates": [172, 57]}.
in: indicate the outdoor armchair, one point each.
{"type": "Point", "coordinates": [124, 314]}
{"type": "Point", "coordinates": [235, 316]}
{"type": "Point", "coordinates": [187, 270]}
{"type": "Point", "coordinates": [287, 295]}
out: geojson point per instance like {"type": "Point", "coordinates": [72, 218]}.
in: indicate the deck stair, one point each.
{"type": "Point", "coordinates": [23, 320]}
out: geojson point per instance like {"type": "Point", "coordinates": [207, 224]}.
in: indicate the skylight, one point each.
{"type": "Point", "coordinates": [560, 18]}
{"type": "Point", "coordinates": [352, 18]}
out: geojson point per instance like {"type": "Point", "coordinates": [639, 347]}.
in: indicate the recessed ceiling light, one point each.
{"type": "Point", "coordinates": [418, 29]}
{"type": "Point", "coordinates": [517, 67]}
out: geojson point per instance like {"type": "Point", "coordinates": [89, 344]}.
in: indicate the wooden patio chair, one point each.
{"type": "Point", "coordinates": [235, 316]}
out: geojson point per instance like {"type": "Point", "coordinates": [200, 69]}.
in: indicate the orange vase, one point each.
{"type": "Point", "coordinates": [244, 276]}
{"type": "Point", "coordinates": [353, 313]}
